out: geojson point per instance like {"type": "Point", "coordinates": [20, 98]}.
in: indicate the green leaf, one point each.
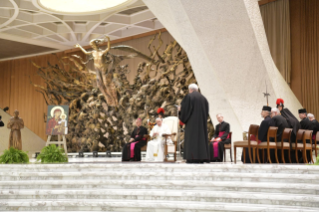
{"type": "Point", "coordinates": [52, 154]}
{"type": "Point", "coordinates": [13, 155]}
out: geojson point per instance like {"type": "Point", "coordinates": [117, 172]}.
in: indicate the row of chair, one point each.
{"type": "Point", "coordinates": [284, 144]}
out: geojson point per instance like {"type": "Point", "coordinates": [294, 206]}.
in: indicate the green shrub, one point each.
{"type": "Point", "coordinates": [13, 155]}
{"type": "Point", "coordinates": [317, 161]}
{"type": "Point", "coordinates": [52, 154]}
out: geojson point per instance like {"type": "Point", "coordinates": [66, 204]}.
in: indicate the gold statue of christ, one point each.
{"type": "Point", "coordinates": [104, 79]}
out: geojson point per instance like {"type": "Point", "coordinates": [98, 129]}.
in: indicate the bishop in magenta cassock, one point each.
{"type": "Point", "coordinates": [221, 137]}
{"type": "Point", "coordinates": [132, 150]}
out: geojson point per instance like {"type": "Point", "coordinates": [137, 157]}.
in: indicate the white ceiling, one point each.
{"type": "Point", "coordinates": [24, 21]}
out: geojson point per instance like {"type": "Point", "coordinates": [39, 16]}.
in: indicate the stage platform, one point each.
{"type": "Point", "coordinates": [98, 185]}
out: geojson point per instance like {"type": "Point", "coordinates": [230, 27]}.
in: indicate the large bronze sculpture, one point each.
{"type": "Point", "coordinates": [100, 121]}
{"type": "Point", "coordinates": [104, 79]}
{"type": "Point", "coordinates": [15, 124]}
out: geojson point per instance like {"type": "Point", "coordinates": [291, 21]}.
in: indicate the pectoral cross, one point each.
{"type": "Point", "coordinates": [266, 94]}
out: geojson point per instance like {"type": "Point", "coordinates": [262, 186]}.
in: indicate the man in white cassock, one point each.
{"type": "Point", "coordinates": [155, 147]}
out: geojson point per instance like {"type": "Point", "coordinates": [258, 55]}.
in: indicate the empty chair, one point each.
{"type": "Point", "coordinates": [173, 124]}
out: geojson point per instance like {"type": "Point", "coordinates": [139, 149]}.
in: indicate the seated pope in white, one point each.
{"type": "Point", "coordinates": [155, 147]}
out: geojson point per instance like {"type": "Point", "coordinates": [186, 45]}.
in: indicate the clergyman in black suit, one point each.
{"type": "Point", "coordinates": [132, 150]}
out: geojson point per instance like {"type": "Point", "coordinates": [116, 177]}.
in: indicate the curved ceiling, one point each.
{"type": "Point", "coordinates": [24, 21]}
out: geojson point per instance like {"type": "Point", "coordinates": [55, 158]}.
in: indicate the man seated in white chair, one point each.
{"type": "Point", "coordinates": [155, 147]}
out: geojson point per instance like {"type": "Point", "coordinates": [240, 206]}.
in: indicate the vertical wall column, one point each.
{"type": "Point", "coordinates": [227, 47]}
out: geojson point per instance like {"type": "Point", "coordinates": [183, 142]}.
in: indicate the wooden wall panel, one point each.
{"type": "Point", "coordinates": [5, 80]}
{"type": "Point", "coordinates": [304, 15]}
{"type": "Point", "coordinates": [17, 92]}
{"type": "Point", "coordinates": [295, 82]}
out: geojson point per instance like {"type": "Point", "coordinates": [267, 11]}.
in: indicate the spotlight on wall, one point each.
{"type": "Point", "coordinates": [95, 154]}
{"type": "Point", "coordinates": [81, 154]}
{"type": "Point", "coordinates": [108, 154]}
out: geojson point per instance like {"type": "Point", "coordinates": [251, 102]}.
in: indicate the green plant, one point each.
{"type": "Point", "coordinates": [13, 155]}
{"type": "Point", "coordinates": [317, 161]}
{"type": "Point", "coordinates": [52, 154]}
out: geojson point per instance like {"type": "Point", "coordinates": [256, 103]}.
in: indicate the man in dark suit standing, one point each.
{"type": "Point", "coordinates": [132, 150]}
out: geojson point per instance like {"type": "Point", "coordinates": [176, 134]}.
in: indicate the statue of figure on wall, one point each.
{"type": "Point", "coordinates": [104, 79]}
{"type": "Point", "coordinates": [15, 124]}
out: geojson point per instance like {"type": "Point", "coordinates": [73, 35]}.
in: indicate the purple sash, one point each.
{"type": "Point", "coordinates": [215, 144]}
{"type": "Point", "coordinates": [132, 148]}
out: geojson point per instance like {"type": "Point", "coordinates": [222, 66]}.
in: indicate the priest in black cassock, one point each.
{"type": "Point", "coordinates": [279, 121]}
{"type": "Point", "coordinates": [315, 125]}
{"type": "Point", "coordinates": [221, 137]}
{"type": "Point", "coordinates": [194, 113]}
{"type": "Point", "coordinates": [132, 150]}
{"type": "Point", "coordinates": [292, 122]}
{"type": "Point", "coordinates": [262, 132]}
{"type": "Point", "coordinates": [305, 124]}
{"type": "Point", "coordinates": [291, 119]}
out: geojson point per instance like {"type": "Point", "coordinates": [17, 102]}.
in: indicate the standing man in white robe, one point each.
{"type": "Point", "coordinates": [155, 147]}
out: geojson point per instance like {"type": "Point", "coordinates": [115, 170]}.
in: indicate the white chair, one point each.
{"type": "Point", "coordinates": [173, 123]}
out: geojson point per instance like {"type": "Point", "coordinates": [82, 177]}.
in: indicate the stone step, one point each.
{"type": "Point", "coordinates": [165, 195]}
{"type": "Point", "coordinates": [141, 206]}
{"type": "Point", "coordinates": [293, 188]}
{"type": "Point", "coordinates": [162, 167]}
{"type": "Point", "coordinates": [126, 175]}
